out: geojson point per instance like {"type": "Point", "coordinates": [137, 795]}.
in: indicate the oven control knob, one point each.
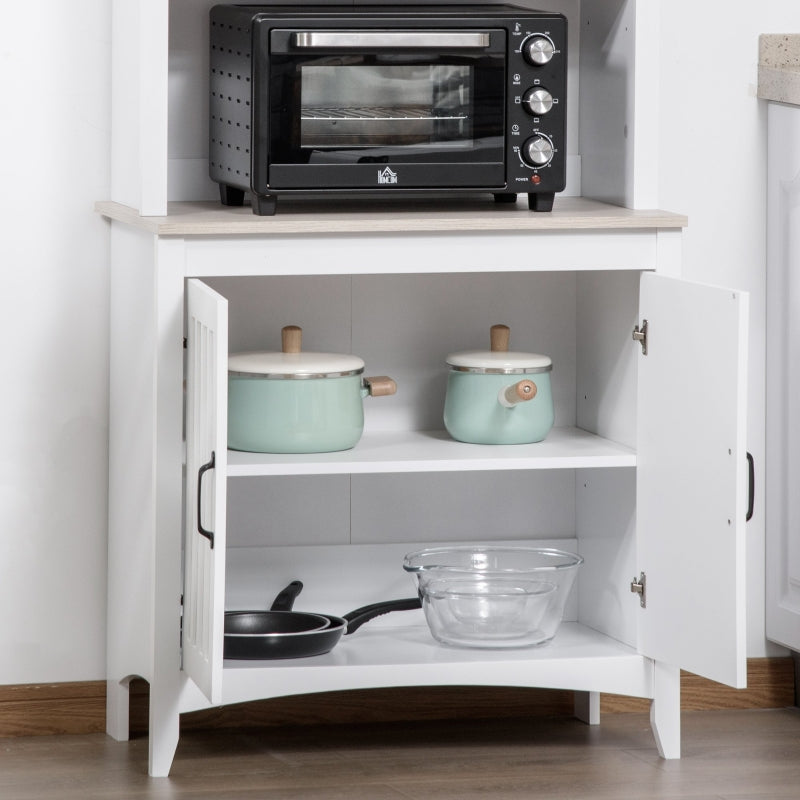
{"type": "Point", "coordinates": [538, 49]}
{"type": "Point", "coordinates": [538, 151]}
{"type": "Point", "coordinates": [537, 101]}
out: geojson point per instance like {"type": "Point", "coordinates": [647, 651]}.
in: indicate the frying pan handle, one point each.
{"type": "Point", "coordinates": [200, 529]}
{"type": "Point", "coordinates": [355, 619]}
{"type": "Point", "coordinates": [285, 600]}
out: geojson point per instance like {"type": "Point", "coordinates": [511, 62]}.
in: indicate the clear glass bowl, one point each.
{"type": "Point", "coordinates": [493, 596]}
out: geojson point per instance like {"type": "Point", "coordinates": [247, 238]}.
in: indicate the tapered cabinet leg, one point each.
{"type": "Point", "coordinates": [164, 733]}
{"type": "Point", "coordinates": [587, 707]}
{"type": "Point", "coordinates": [117, 709]}
{"type": "Point", "coordinates": [665, 710]}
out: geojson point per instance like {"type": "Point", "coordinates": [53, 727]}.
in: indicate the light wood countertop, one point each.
{"type": "Point", "coordinates": [473, 214]}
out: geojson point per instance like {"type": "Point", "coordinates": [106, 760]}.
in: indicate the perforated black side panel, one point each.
{"type": "Point", "coordinates": [230, 98]}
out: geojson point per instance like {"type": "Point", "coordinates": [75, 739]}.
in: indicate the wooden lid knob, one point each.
{"type": "Point", "coordinates": [291, 339]}
{"type": "Point", "coordinates": [499, 337]}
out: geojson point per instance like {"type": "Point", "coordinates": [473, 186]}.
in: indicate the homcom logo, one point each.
{"type": "Point", "coordinates": [387, 176]}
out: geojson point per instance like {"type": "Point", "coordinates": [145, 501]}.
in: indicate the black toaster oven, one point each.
{"type": "Point", "coordinates": [388, 100]}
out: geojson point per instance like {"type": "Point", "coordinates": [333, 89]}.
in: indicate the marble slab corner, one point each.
{"type": "Point", "coordinates": [779, 67]}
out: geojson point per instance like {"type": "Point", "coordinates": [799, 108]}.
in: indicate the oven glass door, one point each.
{"type": "Point", "coordinates": [428, 108]}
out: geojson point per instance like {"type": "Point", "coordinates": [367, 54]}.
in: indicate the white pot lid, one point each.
{"type": "Point", "coordinates": [294, 365]}
{"type": "Point", "coordinates": [499, 362]}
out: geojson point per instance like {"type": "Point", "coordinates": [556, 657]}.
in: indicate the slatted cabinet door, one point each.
{"type": "Point", "coordinates": [206, 451]}
{"type": "Point", "coordinates": [691, 500]}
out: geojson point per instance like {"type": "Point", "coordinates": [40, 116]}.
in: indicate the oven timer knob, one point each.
{"type": "Point", "coordinates": [537, 101]}
{"type": "Point", "coordinates": [538, 49]}
{"type": "Point", "coordinates": [538, 151]}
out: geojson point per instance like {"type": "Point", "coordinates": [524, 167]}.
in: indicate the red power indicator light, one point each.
{"type": "Point", "coordinates": [536, 179]}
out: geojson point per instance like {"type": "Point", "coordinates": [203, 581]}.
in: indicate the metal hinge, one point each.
{"type": "Point", "coordinates": [640, 335]}
{"type": "Point", "coordinates": [639, 586]}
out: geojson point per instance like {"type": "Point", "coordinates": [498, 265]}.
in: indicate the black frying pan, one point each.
{"type": "Point", "coordinates": [283, 633]}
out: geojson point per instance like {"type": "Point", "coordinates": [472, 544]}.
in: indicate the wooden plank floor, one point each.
{"type": "Point", "coordinates": [730, 755]}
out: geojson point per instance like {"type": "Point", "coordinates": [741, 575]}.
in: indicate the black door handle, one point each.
{"type": "Point", "coordinates": [751, 486]}
{"type": "Point", "coordinates": [200, 529]}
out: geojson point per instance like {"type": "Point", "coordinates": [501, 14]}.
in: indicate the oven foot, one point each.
{"type": "Point", "coordinates": [264, 205]}
{"type": "Point", "coordinates": [541, 201]}
{"type": "Point", "coordinates": [505, 197]}
{"type": "Point", "coordinates": [230, 196]}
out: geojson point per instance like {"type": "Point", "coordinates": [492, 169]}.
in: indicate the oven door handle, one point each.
{"type": "Point", "coordinates": [358, 40]}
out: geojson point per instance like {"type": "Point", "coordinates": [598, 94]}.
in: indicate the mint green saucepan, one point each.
{"type": "Point", "coordinates": [298, 402]}
{"type": "Point", "coordinates": [498, 397]}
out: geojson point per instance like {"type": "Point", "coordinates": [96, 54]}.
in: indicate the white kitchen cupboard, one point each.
{"type": "Point", "coordinates": [783, 377]}
{"type": "Point", "coordinates": [644, 473]}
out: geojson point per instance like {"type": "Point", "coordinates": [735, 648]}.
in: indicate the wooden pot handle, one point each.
{"type": "Point", "coordinates": [519, 392]}
{"type": "Point", "coordinates": [380, 386]}
{"type": "Point", "coordinates": [291, 339]}
{"type": "Point", "coordinates": [499, 336]}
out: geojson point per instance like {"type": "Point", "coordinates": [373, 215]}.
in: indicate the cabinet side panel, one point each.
{"type": "Point", "coordinates": [189, 101]}
{"type": "Point", "coordinates": [139, 105]}
{"type": "Point", "coordinates": [619, 101]}
{"type": "Point", "coordinates": [132, 456]}
{"type": "Point", "coordinates": [125, 105]}
{"type": "Point", "coordinates": [607, 309]}
{"type": "Point", "coordinates": [605, 503]}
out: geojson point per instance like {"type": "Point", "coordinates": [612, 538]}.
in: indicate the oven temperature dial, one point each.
{"type": "Point", "coordinates": [538, 49]}
{"type": "Point", "coordinates": [538, 151]}
{"type": "Point", "coordinates": [537, 101]}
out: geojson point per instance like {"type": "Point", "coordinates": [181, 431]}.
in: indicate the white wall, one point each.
{"type": "Point", "coordinates": [713, 168]}
{"type": "Point", "coordinates": [54, 138]}
{"type": "Point", "coordinates": [54, 326]}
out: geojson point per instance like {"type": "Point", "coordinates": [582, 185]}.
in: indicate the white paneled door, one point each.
{"type": "Point", "coordinates": [692, 477]}
{"type": "Point", "coordinates": [206, 451]}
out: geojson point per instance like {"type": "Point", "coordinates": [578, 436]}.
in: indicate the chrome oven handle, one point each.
{"type": "Point", "coordinates": [390, 39]}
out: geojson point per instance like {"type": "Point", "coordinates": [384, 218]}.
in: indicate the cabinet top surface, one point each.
{"type": "Point", "coordinates": [212, 219]}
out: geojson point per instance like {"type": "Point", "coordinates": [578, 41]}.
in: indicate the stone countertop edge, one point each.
{"type": "Point", "coordinates": [779, 67]}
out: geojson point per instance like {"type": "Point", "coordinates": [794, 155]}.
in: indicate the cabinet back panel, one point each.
{"type": "Point", "coordinates": [472, 506]}
{"type": "Point", "coordinates": [300, 510]}
{"type": "Point", "coordinates": [409, 324]}
{"type": "Point", "coordinates": [371, 509]}
{"type": "Point", "coordinates": [338, 579]}
{"type": "Point", "coordinates": [405, 325]}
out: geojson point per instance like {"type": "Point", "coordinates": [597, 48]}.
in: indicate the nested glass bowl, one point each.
{"type": "Point", "coordinates": [493, 596]}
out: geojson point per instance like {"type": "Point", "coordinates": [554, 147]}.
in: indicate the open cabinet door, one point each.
{"type": "Point", "coordinates": [692, 477]}
{"type": "Point", "coordinates": [206, 462]}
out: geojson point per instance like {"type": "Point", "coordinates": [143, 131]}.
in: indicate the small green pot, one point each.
{"type": "Point", "coordinates": [497, 396]}
{"type": "Point", "coordinates": [298, 402]}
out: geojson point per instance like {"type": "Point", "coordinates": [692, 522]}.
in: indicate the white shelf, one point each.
{"type": "Point", "coordinates": [435, 451]}
{"type": "Point", "coordinates": [578, 658]}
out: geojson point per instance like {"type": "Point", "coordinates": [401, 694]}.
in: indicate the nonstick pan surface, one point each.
{"type": "Point", "coordinates": [266, 635]}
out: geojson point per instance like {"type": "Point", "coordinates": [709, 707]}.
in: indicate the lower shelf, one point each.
{"type": "Point", "coordinates": [578, 658]}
